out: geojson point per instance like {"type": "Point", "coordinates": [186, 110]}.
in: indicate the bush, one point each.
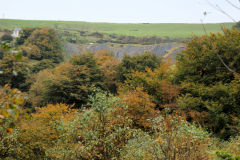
{"type": "Point", "coordinates": [40, 132]}
{"type": "Point", "coordinates": [142, 146]}
{"type": "Point", "coordinates": [173, 138]}
{"type": "Point", "coordinates": [229, 150]}
{"type": "Point", "coordinates": [97, 133]}
{"type": "Point", "coordinates": [11, 101]}
{"type": "Point", "coordinates": [178, 139]}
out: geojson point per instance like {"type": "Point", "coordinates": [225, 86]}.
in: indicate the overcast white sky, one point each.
{"type": "Point", "coordinates": [122, 11]}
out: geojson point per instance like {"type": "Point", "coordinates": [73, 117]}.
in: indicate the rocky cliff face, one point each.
{"type": "Point", "coordinates": [164, 50]}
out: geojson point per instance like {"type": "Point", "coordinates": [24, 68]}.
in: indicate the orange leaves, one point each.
{"type": "Point", "coordinates": [139, 107]}
{"type": "Point", "coordinates": [9, 130]}
{"type": "Point", "coordinates": [108, 65]}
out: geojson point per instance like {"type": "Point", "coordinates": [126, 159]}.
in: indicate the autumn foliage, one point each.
{"type": "Point", "coordinates": [139, 107]}
{"type": "Point", "coordinates": [94, 106]}
{"type": "Point", "coordinates": [157, 83]}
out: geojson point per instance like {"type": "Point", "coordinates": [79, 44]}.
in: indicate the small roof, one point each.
{"type": "Point", "coordinates": [17, 29]}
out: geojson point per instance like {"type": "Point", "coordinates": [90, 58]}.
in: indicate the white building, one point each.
{"type": "Point", "coordinates": [16, 32]}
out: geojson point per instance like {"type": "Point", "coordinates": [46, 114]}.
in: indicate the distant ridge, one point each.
{"type": "Point", "coordinates": [126, 29]}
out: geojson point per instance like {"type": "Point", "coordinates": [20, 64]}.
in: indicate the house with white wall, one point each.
{"type": "Point", "coordinates": [16, 32]}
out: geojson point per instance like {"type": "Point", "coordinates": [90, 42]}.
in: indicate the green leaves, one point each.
{"type": "Point", "coordinates": [209, 89]}
{"type": "Point", "coordinates": [15, 71]}
{"type": "Point", "coordinates": [39, 44]}
{"type": "Point", "coordinates": [5, 46]}
{"type": "Point", "coordinates": [19, 56]}
{"type": "Point", "coordinates": [67, 83]}
{"type": "Point", "coordinates": [138, 63]}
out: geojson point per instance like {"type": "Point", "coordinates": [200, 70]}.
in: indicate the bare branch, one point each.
{"type": "Point", "coordinates": [228, 15]}
{"type": "Point", "coordinates": [229, 69]}
{"type": "Point", "coordinates": [219, 57]}
{"type": "Point", "coordinates": [218, 8]}
{"type": "Point", "coordinates": [233, 5]}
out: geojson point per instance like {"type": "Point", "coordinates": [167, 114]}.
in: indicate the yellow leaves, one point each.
{"type": "Point", "coordinates": [10, 102]}
{"type": "Point", "coordinates": [53, 112]}
{"type": "Point", "coordinates": [14, 91]}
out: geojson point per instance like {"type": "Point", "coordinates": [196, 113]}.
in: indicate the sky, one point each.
{"type": "Point", "coordinates": [121, 11]}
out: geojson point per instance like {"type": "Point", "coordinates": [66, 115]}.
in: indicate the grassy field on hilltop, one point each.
{"type": "Point", "coordinates": [138, 30]}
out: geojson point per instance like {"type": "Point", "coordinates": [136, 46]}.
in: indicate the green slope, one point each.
{"type": "Point", "coordinates": [139, 30]}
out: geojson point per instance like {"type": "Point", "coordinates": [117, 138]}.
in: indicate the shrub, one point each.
{"type": "Point", "coordinates": [40, 132]}
{"type": "Point", "coordinates": [11, 101]}
{"type": "Point", "coordinates": [178, 139]}
{"type": "Point", "coordinates": [229, 150]}
{"type": "Point", "coordinates": [96, 133]}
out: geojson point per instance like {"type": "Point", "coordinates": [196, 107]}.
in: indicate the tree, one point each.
{"type": "Point", "coordinates": [43, 44]}
{"type": "Point", "coordinates": [43, 64]}
{"type": "Point", "coordinates": [237, 25]}
{"type": "Point", "coordinates": [24, 34]}
{"type": "Point", "coordinates": [109, 67]}
{"type": "Point", "coordinates": [67, 83]}
{"type": "Point", "coordinates": [39, 132]}
{"type": "Point", "coordinates": [140, 108]}
{"type": "Point", "coordinates": [138, 63]}
{"type": "Point", "coordinates": [157, 83]}
{"type": "Point", "coordinates": [14, 72]}
{"type": "Point", "coordinates": [97, 133]}
{"type": "Point", "coordinates": [200, 63]}
{"type": "Point", "coordinates": [208, 87]}
{"type": "Point", "coordinates": [10, 102]}
{"type": "Point", "coordinates": [6, 37]}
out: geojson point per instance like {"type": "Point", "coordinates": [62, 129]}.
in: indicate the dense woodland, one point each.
{"type": "Point", "coordinates": [94, 106]}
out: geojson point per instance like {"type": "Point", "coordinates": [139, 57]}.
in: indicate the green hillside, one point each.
{"type": "Point", "coordinates": [137, 30]}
